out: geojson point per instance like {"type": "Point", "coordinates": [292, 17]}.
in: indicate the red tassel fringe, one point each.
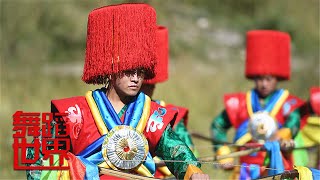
{"type": "Point", "coordinates": [268, 53]}
{"type": "Point", "coordinates": [119, 37]}
{"type": "Point", "coordinates": [161, 69]}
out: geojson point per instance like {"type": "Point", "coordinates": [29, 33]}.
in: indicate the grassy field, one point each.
{"type": "Point", "coordinates": [207, 60]}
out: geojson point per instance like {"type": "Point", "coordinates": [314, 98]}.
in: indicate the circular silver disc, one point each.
{"type": "Point", "coordinates": [262, 126]}
{"type": "Point", "coordinates": [124, 148]}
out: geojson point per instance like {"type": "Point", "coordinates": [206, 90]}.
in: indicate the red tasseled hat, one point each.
{"type": "Point", "coordinates": [268, 53]}
{"type": "Point", "coordinates": [315, 99]}
{"type": "Point", "coordinates": [161, 69]}
{"type": "Point", "coordinates": [120, 37]}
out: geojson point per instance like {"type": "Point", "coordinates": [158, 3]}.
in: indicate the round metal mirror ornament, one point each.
{"type": "Point", "coordinates": [262, 126]}
{"type": "Point", "coordinates": [124, 148]}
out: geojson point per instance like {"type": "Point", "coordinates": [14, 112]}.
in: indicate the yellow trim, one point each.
{"type": "Point", "coordinates": [104, 165]}
{"type": "Point", "coordinates": [249, 107]}
{"type": "Point", "coordinates": [275, 109]}
{"type": "Point", "coordinates": [304, 173]}
{"type": "Point", "coordinates": [244, 139]}
{"type": "Point", "coordinates": [106, 162]}
{"type": "Point", "coordinates": [162, 103]}
{"type": "Point", "coordinates": [224, 150]}
{"type": "Point", "coordinates": [284, 134]}
{"type": "Point", "coordinates": [143, 170]}
{"type": "Point", "coordinates": [279, 103]}
{"type": "Point", "coordinates": [145, 115]}
{"type": "Point", "coordinates": [64, 174]}
{"type": "Point", "coordinates": [164, 169]}
{"type": "Point", "coordinates": [313, 120]}
{"type": "Point", "coordinates": [59, 174]}
{"type": "Point", "coordinates": [311, 131]}
{"type": "Point", "coordinates": [96, 114]}
{"type": "Point", "coordinates": [192, 169]}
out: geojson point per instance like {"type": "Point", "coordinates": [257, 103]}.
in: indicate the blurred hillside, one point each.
{"type": "Point", "coordinates": [43, 42]}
